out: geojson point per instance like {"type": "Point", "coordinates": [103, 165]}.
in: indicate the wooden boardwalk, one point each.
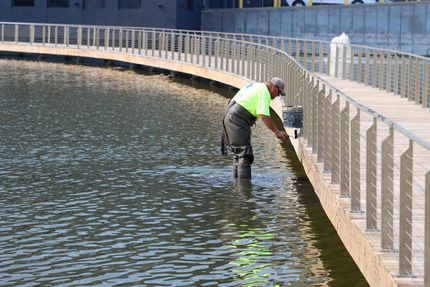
{"type": "Point", "coordinates": [417, 121]}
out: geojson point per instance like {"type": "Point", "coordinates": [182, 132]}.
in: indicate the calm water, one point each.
{"type": "Point", "coordinates": [112, 178]}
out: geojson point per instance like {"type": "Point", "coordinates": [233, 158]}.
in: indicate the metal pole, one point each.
{"type": "Point", "coordinates": [344, 152]}
{"type": "Point", "coordinates": [355, 164]}
{"type": "Point", "coordinates": [335, 173]}
{"type": "Point", "coordinates": [328, 133]}
{"type": "Point", "coordinates": [387, 190]}
{"type": "Point", "coordinates": [405, 234]}
{"type": "Point", "coordinates": [321, 123]}
{"type": "Point", "coordinates": [371, 177]}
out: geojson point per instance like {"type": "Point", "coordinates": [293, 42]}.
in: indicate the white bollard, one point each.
{"type": "Point", "coordinates": [339, 55]}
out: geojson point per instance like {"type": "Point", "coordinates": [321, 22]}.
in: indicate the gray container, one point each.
{"type": "Point", "coordinates": [293, 117]}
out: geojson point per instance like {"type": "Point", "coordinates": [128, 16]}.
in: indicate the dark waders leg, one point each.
{"type": "Point", "coordinates": [244, 168]}
{"type": "Point", "coordinates": [235, 163]}
{"type": "Point", "coordinates": [237, 127]}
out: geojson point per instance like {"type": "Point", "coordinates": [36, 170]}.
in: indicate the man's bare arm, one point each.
{"type": "Point", "coordinates": [269, 123]}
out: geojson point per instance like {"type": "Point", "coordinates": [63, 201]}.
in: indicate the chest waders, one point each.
{"type": "Point", "coordinates": [236, 134]}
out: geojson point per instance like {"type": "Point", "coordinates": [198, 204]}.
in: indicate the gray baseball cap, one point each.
{"type": "Point", "coordinates": [279, 83]}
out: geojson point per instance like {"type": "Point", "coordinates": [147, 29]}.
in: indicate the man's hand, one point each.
{"type": "Point", "coordinates": [281, 135]}
{"type": "Point", "coordinates": [269, 123]}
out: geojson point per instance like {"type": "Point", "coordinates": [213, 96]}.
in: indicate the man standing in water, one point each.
{"type": "Point", "coordinates": [250, 103]}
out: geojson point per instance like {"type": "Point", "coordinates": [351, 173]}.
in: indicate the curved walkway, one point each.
{"type": "Point", "coordinates": [365, 151]}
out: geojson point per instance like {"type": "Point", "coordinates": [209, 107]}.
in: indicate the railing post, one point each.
{"type": "Point", "coordinates": [160, 41]}
{"type": "Point", "coordinates": [132, 40]}
{"type": "Point", "coordinates": [336, 61]}
{"type": "Point", "coordinates": [328, 133]}
{"type": "Point", "coordinates": [120, 35]}
{"type": "Point", "coordinates": [427, 231]}
{"type": "Point", "coordinates": [425, 101]}
{"type": "Point", "coordinates": [153, 43]}
{"type": "Point", "coordinates": [243, 57]}
{"type": "Point", "coordinates": [405, 234]}
{"type": "Point", "coordinates": [2, 33]}
{"type": "Point", "coordinates": [298, 51]}
{"type": "Point", "coordinates": [107, 38]}
{"type": "Point", "coordinates": [371, 177]}
{"type": "Point", "coordinates": [396, 75]}
{"type": "Point", "coordinates": [227, 56]}
{"type": "Point", "coordinates": [417, 81]}
{"type": "Point", "coordinates": [410, 73]}
{"type": "Point", "coordinates": [402, 79]}
{"type": "Point", "coordinates": [345, 152]}
{"type": "Point", "coordinates": [203, 50]}
{"type": "Point", "coordinates": [389, 87]}
{"type": "Point", "coordinates": [217, 48]}
{"type": "Point", "coordinates": [313, 57]}
{"type": "Point", "coordinates": [381, 70]}
{"type": "Point", "coordinates": [355, 164]}
{"type": "Point", "coordinates": [49, 35]}
{"type": "Point", "coordinates": [248, 62]}
{"type": "Point", "coordinates": [310, 110]}
{"type": "Point", "coordinates": [366, 67]}
{"type": "Point", "coordinates": [359, 68]}
{"type": "Point", "coordinates": [335, 139]}
{"type": "Point", "coordinates": [16, 33]}
{"type": "Point", "coordinates": [344, 62]}
{"type": "Point", "coordinates": [221, 47]}
{"type": "Point", "coordinates": [32, 34]}
{"type": "Point", "coordinates": [127, 41]}
{"type": "Point", "coordinates": [351, 65]}
{"type": "Point", "coordinates": [66, 36]}
{"type": "Point", "coordinates": [88, 37]}
{"type": "Point", "coordinates": [314, 101]}
{"type": "Point", "coordinates": [290, 48]}
{"type": "Point", "coordinates": [306, 108]}
{"type": "Point", "coordinates": [321, 123]}
{"type": "Point", "coordinates": [305, 54]}
{"type": "Point", "coordinates": [56, 36]}
{"type": "Point", "coordinates": [145, 41]}
{"type": "Point", "coordinates": [43, 35]}
{"type": "Point", "coordinates": [94, 37]}
{"type": "Point", "coordinates": [387, 190]}
{"type": "Point", "coordinates": [173, 45]}
{"type": "Point", "coordinates": [375, 60]}
{"type": "Point", "coordinates": [320, 56]}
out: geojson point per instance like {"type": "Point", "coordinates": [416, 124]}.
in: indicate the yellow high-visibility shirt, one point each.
{"type": "Point", "coordinates": [255, 98]}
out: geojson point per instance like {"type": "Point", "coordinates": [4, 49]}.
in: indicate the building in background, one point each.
{"type": "Point", "coordinates": [180, 14]}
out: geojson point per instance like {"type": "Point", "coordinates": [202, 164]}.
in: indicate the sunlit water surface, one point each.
{"type": "Point", "coordinates": [113, 178]}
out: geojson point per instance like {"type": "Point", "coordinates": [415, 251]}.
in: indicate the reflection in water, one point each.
{"type": "Point", "coordinates": [114, 179]}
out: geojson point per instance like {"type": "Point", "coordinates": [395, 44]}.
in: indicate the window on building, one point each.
{"type": "Point", "coordinates": [129, 4]}
{"type": "Point", "coordinates": [22, 3]}
{"type": "Point", "coordinates": [95, 4]}
{"type": "Point", "coordinates": [190, 5]}
{"type": "Point", "coordinates": [58, 3]}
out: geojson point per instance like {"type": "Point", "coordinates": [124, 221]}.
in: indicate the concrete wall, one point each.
{"type": "Point", "coordinates": [400, 26]}
{"type": "Point", "coordinates": [153, 13]}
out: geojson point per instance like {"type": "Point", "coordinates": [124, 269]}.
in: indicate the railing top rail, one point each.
{"type": "Point", "coordinates": [228, 34]}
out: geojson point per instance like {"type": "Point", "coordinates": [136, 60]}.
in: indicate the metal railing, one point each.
{"type": "Point", "coordinates": [381, 168]}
